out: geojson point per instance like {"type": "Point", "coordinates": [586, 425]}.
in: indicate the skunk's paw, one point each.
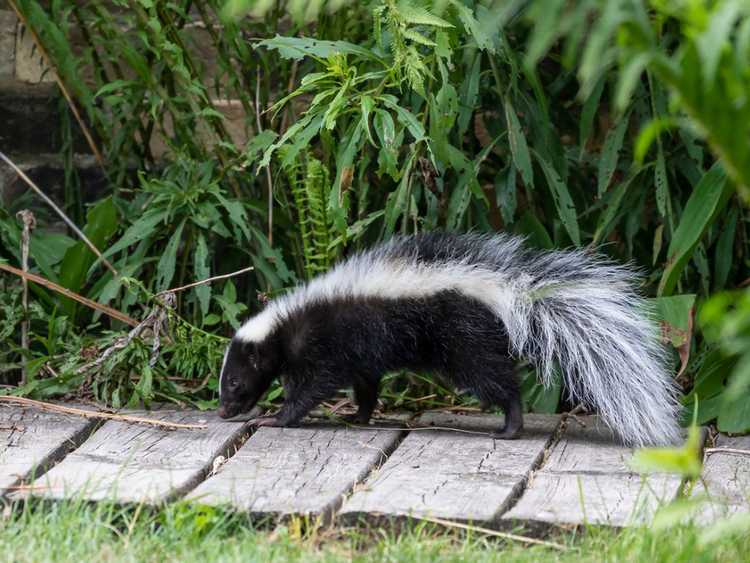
{"type": "Point", "coordinates": [264, 421]}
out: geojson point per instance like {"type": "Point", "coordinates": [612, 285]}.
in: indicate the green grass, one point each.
{"type": "Point", "coordinates": [71, 531]}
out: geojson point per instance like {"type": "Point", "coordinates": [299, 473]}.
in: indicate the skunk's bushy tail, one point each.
{"type": "Point", "coordinates": [574, 310]}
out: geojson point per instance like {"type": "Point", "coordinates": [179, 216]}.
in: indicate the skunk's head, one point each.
{"type": "Point", "coordinates": [247, 373]}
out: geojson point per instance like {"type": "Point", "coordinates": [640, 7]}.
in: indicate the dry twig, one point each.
{"type": "Point", "coordinates": [29, 223]}
{"type": "Point", "coordinates": [733, 451]}
{"type": "Point", "coordinates": [109, 311]}
{"type": "Point", "coordinates": [207, 280]}
{"type": "Point", "coordinates": [99, 414]}
{"type": "Point", "coordinates": [495, 533]}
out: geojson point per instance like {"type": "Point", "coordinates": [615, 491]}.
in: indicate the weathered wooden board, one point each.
{"type": "Point", "coordinates": [454, 475]}
{"type": "Point", "coordinates": [726, 479]}
{"type": "Point", "coordinates": [125, 462]}
{"type": "Point", "coordinates": [586, 479]}
{"type": "Point", "coordinates": [32, 439]}
{"type": "Point", "coordinates": [305, 470]}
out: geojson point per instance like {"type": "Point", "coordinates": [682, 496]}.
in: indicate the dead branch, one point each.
{"type": "Point", "coordinates": [109, 311]}
{"type": "Point", "coordinates": [99, 414]}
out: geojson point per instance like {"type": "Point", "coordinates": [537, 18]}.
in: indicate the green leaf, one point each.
{"type": "Point", "coordinates": [686, 460]}
{"type": "Point", "coordinates": [101, 224]}
{"type": "Point", "coordinates": [480, 33]}
{"type": "Point", "coordinates": [707, 199]}
{"type": "Point", "coordinates": [566, 209]}
{"type": "Point", "coordinates": [661, 183]}
{"type": "Point", "coordinates": [419, 16]}
{"type": "Point", "coordinates": [715, 39]}
{"type": "Point", "coordinates": [588, 112]}
{"type": "Point", "coordinates": [167, 263]}
{"type": "Point", "coordinates": [611, 153]}
{"type": "Point", "coordinates": [202, 272]}
{"type": "Point", "coordinates": [144, 227]}
{"type": "Point", "coordinates": [298, 48]}
{"type": "Point", "coordinates": [535, 232]}
{"type": "Point", "coordinates": [518, 147]}
{"type": "Point", "coordinates": [674, 314]}
{"type": "Point", "coordinates": [723, 257]}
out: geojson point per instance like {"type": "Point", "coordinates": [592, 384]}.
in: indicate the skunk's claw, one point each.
{"type": "Point", "coordinates": [264, 421]}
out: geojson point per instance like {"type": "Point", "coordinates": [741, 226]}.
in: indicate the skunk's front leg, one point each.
{"type": "Point", "coordinates": [301, 395]}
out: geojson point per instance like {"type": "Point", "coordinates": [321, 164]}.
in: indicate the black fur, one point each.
{"type": "Point", "coordinates": [329, 345]}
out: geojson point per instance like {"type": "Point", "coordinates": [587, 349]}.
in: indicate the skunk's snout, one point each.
{"type": "Point", "coordinates": [222, 412]}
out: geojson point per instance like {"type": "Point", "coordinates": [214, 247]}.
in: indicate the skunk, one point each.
{"type": "Point", "coordinates": [464, 307]}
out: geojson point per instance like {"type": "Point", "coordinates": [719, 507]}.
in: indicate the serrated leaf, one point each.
{"type": "Point", "coordinates": [416, 15]}
{"type": "Point", "coordinates": [298, 48]}
{"type": "Point", "coordinates": [417, 37]}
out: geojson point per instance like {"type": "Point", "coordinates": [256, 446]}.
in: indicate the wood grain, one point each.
{"type": "Point", "coordinates": [726, 479]}
{"type": "Point", "coordinates": [127, 463]}
{"type": "Point", "coordinates": [586, 480]}
{"type": "Point", "coordinates": [306, 470]}
{"type": "Point", "coordinates": [452, 475]}
{"type": "Point", "coordinates": [31, 440]}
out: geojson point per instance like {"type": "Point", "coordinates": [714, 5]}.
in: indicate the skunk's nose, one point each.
{"type": "Point", "coordinates": [222, 412]}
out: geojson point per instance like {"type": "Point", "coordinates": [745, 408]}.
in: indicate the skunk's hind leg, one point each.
{"type": "Point", "coordinates": [496, 385]}
{"type": "Point", "coordinates": [366, 395]}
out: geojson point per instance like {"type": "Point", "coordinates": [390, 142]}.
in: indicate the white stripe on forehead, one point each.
{"type": "Point", "coordinates": [223, 365]}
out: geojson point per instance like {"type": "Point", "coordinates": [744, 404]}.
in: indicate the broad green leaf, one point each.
{"type": "Point", "coordinates": [707, 199]}
{"type": "Point", "coordinates": [101, 224]}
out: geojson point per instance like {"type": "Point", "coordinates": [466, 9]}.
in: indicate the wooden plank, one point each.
{"type": "Point", "coordinates": [32, 439]}
{"type": "Point", "coordinates": [453, 475]}
{"type": "Point", "coordinates": [125, 462]}
{"type": "Point", "coordinates": [726, 479]}
{"type": "Point", "coordinates": [586, 480]}
{"type": "Point", "coordinates": [306, 470]}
